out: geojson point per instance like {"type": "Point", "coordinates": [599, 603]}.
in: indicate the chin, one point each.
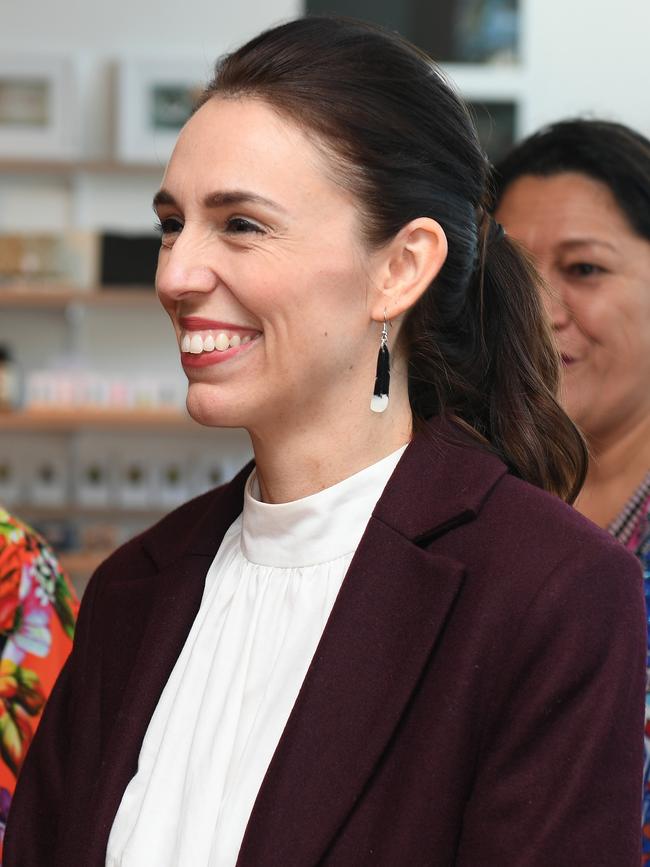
{"type": "Point", "coordinates": [208, 406]}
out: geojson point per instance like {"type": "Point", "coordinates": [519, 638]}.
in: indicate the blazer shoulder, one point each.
{"type": "Point", "coordinates": [529, 517]}
{"type": "Point", "coordinates": [196, 526]}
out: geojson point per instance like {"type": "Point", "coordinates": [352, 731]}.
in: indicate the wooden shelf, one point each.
{"type": "Point", "coordinates": [78, 418]}
{"type": "Point", "coordinates": [59, 296]}
{"type": "Point", "coordinates": [72, 167]}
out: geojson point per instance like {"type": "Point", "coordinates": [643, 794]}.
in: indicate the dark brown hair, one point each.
{"type": "Point", "coordinates": [609, 152]}
{"type": "Point", "coordinates": [403, 142]}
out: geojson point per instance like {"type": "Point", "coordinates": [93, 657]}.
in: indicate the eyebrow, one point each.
{"type": "Point", "coordinates": [220, 199]}
{"type": "Point", "coordinates": [587, 242]}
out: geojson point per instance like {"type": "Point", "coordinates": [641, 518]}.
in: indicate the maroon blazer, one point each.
{"type": "Point", "coordinates": [476, 698]}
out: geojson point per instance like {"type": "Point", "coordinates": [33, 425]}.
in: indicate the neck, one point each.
{"type": "Point", "coordinates": [617, 466]}
{"type": "Point", "coordinates": [310, 454]}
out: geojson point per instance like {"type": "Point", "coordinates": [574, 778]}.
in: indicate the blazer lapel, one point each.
{"type": "Point", "coordinates": [382, 629]}
{"type": "Point", "coordinates": [371, 655]}
{"type": "Point", "coordinates": [162, 637]}
{"type": "Point", "coordinates": [163, 606]}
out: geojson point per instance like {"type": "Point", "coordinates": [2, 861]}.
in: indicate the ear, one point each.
{"type": "Point", "coordinates": [407, 267]}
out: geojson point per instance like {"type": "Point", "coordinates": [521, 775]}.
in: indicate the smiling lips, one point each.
{"type": "Point", "coordinates": [203, 342]}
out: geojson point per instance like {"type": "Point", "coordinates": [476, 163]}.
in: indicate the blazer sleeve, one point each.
{"type": "Point", "coordinates": [559, 776]}
{"type": "Point", "coordinates": [40, 797]}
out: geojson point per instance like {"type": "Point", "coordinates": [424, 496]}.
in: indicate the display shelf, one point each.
{"type": "Point", "coordinates": [79, 418]}
{"type": "Point", "coordinates": [59, 296]}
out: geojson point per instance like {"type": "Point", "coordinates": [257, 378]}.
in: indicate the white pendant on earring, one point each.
{"type": "Point", "coordinates": [379, 402]}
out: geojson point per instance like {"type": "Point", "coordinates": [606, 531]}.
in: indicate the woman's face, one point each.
{"type": "Point", "coordinates": [263, 272]}
{"type": "Point", "coordinates": [598, 272]}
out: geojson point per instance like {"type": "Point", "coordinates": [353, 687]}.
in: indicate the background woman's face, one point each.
{"type": "Point", "coordinates": [261, 253]}
{"type": "Point", "coordinates": [598, 272]}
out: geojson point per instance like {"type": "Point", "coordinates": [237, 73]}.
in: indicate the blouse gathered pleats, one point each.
{"type": "Point", "coordinates": [267, 597]}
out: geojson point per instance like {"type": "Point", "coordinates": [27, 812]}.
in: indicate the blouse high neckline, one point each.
{"type": "Point", "coordinates": [300, 533]}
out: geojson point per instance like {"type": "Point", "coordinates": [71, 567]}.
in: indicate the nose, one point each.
{"type": "Point", "coordinates": [557, 307]}
{"type": "Point", "coordinates": [183, 270]}
{"type": "Point", "coordinates": [555, 300]}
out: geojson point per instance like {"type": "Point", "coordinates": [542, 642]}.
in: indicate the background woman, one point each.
{"type": "Point", "coordinates": [577, 195]}
{"type": "Point", "coordinates": [377, 646]}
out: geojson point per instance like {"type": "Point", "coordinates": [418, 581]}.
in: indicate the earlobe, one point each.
{"type": "Point", "coordinates": [413, 260]}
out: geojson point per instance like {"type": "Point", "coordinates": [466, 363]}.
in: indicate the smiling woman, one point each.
{"type": "Point", "coordinates": [364, 650]}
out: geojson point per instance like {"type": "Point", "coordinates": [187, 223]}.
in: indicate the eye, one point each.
{"type": "Point", "coordinates": [168, 229]}
{"type": "Point", "coordinates": [584, 269]}
{"type": "Point", "coordinates": [242, 226]}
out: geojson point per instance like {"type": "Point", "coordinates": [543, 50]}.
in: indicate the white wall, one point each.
{"type": "Point", "coordinates": [588, 56]}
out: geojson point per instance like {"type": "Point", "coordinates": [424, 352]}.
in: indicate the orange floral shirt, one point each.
{"type": "Point", "coordinates": [38, 608]}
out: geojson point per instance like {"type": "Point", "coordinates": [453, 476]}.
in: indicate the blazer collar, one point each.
{"type": "Point", "coordinates": [446, 472]}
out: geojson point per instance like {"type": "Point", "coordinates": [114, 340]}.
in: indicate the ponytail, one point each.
{"type": "Point", "coordinates": [491, 363]}
{"type": "Point", "coordinates": [402, 142]}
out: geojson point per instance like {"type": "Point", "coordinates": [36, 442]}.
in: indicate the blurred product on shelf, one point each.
{"type": "Point", "coordinates": [134, 486]}
{"type": "Point", "coordinates": [174, 483]}
{"type": "Point", "coordinates": [69, 257]}
{"type": "Point", "coordinates": [9, 485]}
{"type": "Point", "coordinates": [128, 260]}
{"type": "Point", "coordinates": [8, 379]}
{"type": "Point", "coordinates": [92, 486]}
{"type": "Point", "coordinates": [94, 480]}
{"type": "Point", "coordinates": [47, 482]}
{"type": "Point", "coordinates": [77, 386]}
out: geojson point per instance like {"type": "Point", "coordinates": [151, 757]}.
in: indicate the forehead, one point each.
{"type": "Point", "coordinates": [560, 207]}
{"type": "Point", "coordinates": [245, 143]}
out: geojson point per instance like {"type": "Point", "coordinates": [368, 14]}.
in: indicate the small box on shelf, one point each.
{"type": "Point", "coordinates": [92, 486]}
{"type": "Point", "coordinates": [48, 482]}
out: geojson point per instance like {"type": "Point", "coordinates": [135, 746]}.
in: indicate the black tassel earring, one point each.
{"type": "Point", "coordinates": [379, 399]}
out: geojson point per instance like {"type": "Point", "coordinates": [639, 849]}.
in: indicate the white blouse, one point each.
{"type": "Point", "coordinates": [267, 597]}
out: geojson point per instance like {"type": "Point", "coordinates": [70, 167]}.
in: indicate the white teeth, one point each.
{"type": "Point", "coordinates": [196, 344]}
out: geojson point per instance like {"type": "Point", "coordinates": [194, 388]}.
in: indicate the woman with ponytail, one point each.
{"type": "Point", "coordinates": [389, 641]}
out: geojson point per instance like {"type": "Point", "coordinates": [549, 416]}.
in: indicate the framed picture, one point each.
{"type": "Point", "coordinates": [451, 31]}
{"type": "Point", "coordinates": [154, 99]}
{"type": "Point", "coordinates": [38, 108]}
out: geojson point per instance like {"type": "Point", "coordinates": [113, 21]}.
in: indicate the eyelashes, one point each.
{"type": "Point", "coordinates": [171, 227]}
{"type": "Point", "coordinates": [241, 226]}
{"type": "Point", "coordinates": [585, 269]}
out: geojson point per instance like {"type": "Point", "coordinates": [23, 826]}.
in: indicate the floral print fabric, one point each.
{"type": "Point", "coordinates": [639, 544]}
{"type": "Point", "coordinates": [38, 609]}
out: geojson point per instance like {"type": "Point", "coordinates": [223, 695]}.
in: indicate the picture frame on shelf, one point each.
{"type": "Point", "coordinates": [39, 109]}
{"type": "Point", "coordinates": [154, 99]}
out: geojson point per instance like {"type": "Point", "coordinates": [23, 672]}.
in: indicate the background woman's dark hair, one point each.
{"type": "Point", "coordinates": [608, 152]}
{"type": "Point", "coordinates": [402, 141]}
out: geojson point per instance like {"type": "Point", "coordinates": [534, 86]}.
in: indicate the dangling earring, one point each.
{"type": "Point", "coordinates": [379, 399]}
